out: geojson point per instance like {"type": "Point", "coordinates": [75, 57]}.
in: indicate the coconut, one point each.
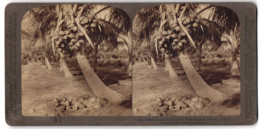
{"type": "Point", "coordinates": [74, 40]}
{"type": "Point", "coordinates": [199, 105]}
{"type": "Point", "coordinates": [169, 32]}
{"type": "Point", "coordinates": [78, 44]}
{"type": "Point", "coordinates": [93, 25]}
{"type": "Point", "coordinates": [75, 108]}
{"type": "Point", "coordinates": [86, 20]}
{"type": "Point", "coordinates": [67, 32]}
{"type": "Point", "coordinates": [72, 36]}
{"type": "Point", "coordinates": [174, 35]}
{"type": "Point", "coordinates": [61, 33]}
{"type": "Point", "coordinates": [65, 36]}
{"type": "Point", "coordinates": [205, 101]}
{"type": "Point", "coordinates": [92, 99]}
{"type": "Point", "coordinates": [168, 36]}
{"type": "Point", "coordinates": [80, 34]}
{"type": "Point", "coordinates": [62, 45]}
{"type": "Point", "coordinates": [70, 44]}
{"type": "Point", "coordinates": [72, 48]}
{"type": "Point", "coordinates": [96, 105]}
{"type": "Point", "coordinates": [188, 26]}
{"type": "Point", "coordinates": [163, 108]}
{"type": "Point", "coordinates": [59, 49]}
{"type": "Point", "coordinates": [159, 101]}
{"type": "Point", "coordinates": [182, 33]}
{"type": "Point", "coordinates": [160, 42]}
{"type": "Point", "coordinates": [177, 28]}
{"type": "Point", "coordinates": [74, 28]}
{"type": "Point", "coordinates": [86, 26]}
{"type": "Point", "coordinates": [187, 19]}
{"type": "Point", "coordinates": [164, 33]}
{"type": "Point", "coordinates": [169, 102]}
{"type": "Point", "coordinates": [173, 43]}
{"type": "Point", "coordinates": [95, 21]}
{"type": "Point", "coordinates": [60, 109]}
{"type": "Point", "coordinates": [176, 40]}
{"type": "Point", "coordinates": [180, 44]}
{"type": "Point", "coordinates": [184, 41]}
{"type": "Point", "coordinates": [195, 25]}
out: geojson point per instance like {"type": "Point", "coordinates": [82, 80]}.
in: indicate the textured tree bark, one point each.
{"type": "Point", "coordinates": [168, 67]}
{"type": "Point", "coordinates": [153, 63]}
{"type": "Point", "coordinates": [94, 82]}
{"type": "Point", "coordinates": [129, 69]}
{"type": "Point", "coordinates": [95, 58]}
{"type": "Point", "coordinates": [234, 70]}
{"type": "Point", "coordinates": [198, 57]}
{"type": "Point", "coordinates": [199, 85]}
{"type": "Point", "coordinates": [48, 63]}
{"type": "Point", "coordinates": [61, 68]}
{"type": "Point", "coordinates": [65, 67]}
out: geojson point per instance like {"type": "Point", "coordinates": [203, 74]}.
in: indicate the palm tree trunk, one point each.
{"type": "Point", "coordinates": [61, 68]}
{"type": "Point", "coordinates": [153, 63]}
{"type": "Point", "coordinates": [198, 57]}
{"type": "Point", "coordinates": [234, 66]}
{"type": "Point", "coordinates": [199, 85]}
{"type": "Point", "coordinates": [65, 67]}
{"type": "Point", "coordinates": [168, 67]}
{"type": "Point", "coordinates": [129, 69]}
{"type": "Point", "coordinates": [94, 82]}
{"type": "Point", "coordinates": [95, 58]}
{"type": "Point", "coordinates": [48, 63]}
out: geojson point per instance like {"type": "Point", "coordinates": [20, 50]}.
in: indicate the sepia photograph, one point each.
{"type": "Point", "coordinates": [186, 61]}
{"type": "Point", "coordinates": [94, 60]}
{"type": "Point", "coordinates": [76, 61]}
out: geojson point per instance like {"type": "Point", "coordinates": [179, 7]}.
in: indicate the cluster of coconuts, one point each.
{"type": "Point", "coordinates": [70, 38]}
{"type": "Point", "coordinates": [184, 102]}
{"type": "Point", "coordinates": [84, 102]}
{"type": "Point", "coordinates": [173, 38]}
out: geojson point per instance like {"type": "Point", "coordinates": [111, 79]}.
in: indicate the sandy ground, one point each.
{"type": "Point", "coordinates": [47, 93]}
{"type": "Point", "coordinates": [154, 91]}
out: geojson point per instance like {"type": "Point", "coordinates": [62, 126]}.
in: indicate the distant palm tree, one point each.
{"type": "Point", "coordinates": [41, 21]}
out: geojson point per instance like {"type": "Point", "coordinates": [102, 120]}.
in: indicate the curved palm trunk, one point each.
{"type": "Point", "coordinates": [153, 63]}
{"type": "Point", "coordinates": [129, 69]}
{"type": "Point", "coordinates": [97, 86]}
{"type": "Point", "coordinates": [95, 58]}
{"type": "Point", "coordinates": [199, 85]}
{"type": "Point", "coordinates": [48, 63]}
{"type": "Point", "coordinates": [234, 66]}
{"type": "Point", "coordinates": [198, 57]}
{"type": "Point", "coordinates": [65, 67]}
{"type": "Point", "coordinates": [61, 68]}
{"type": "Point", "coordinates": [168, 67]}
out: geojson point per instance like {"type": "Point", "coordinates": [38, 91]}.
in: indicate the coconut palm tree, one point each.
{"type": "Point", "coordinates": [44, 19]}
{"type": "Point", "coordinates": [146, 33]}
{"type": "Point", "coordinates": [230, 24]}
{"type": "Point", "coordinates": [176, 33]}
{"type": "Point", "coordinates": [83, 27]}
